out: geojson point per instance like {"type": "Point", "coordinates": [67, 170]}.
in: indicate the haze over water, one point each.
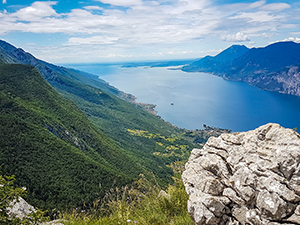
{"type": "Point", "coordinates": [189, 100]}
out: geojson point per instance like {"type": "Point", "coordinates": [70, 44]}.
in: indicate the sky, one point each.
{"type": "Point", "coordinates": [72, 31]}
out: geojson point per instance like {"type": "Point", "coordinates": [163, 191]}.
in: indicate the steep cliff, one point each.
{"type": "Point", "coordinates": [286, 81]}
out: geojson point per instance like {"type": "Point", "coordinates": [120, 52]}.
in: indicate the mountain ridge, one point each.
{"type": "Point", "coordinates": [210, 63]}
{"type": "Point", "coordinates": [261, 67]}
{"type": "Point", "coordinates": [56, 75]}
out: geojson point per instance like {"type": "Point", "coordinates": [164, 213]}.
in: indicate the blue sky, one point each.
{"type": "Point", "coordinates": [67, 31]}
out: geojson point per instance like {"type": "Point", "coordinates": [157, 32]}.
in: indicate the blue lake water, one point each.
{"type": "Point", "coordinates": [200, 98]}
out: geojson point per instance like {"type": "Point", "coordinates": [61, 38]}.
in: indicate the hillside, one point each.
{"type": "Point", "coordinates": [61, 157]}
{"type": "Point", "coordinates": [273, 68]}
{"type": "Point", "coordinates": [51, 147]}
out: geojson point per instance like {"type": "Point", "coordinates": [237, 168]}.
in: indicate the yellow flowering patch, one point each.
{"type": "Point", "coordinates": [172, 147]}
{"type": "Point", "coordinates": [159, 143]}
{"type": "Point", "coordinates": [165, 146]}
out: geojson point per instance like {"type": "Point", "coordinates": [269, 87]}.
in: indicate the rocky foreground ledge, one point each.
{"type": "Point", "coordinates": [246, 178]}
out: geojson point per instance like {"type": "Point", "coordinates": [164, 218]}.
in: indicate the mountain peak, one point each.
{"type": "Point", "coordinates": [231, 53]}
{"type": "Point", "coordinates": [209, 63]}
{"type": "Point", "coordinates": [237, 46]}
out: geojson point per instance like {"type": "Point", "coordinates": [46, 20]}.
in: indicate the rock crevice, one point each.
{"type": "Point", "coordinates": [246, 178]}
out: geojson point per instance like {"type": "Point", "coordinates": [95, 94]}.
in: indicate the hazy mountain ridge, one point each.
{"type": "Point", "coordinates": [162, 63]}
{"type": "Point", "coordinates": [272, 68]}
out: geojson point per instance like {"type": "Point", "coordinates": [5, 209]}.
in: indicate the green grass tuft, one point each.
{"type": "Point", "coordinates": [144, 203]}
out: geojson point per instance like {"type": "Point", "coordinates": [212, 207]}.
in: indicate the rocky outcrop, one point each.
{"type": "Point", "coordinates": [20, 208]}
{"type": "Point", "coordinates": [246, 178]}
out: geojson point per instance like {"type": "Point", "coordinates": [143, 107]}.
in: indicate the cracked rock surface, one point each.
{"type": "Point", "coordinates": [246, 178]}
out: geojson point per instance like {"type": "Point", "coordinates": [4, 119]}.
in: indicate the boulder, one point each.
{"type": "Point", "coordinates": [20, 208]}
{"type": "Point", "coordinates": [246, 178]}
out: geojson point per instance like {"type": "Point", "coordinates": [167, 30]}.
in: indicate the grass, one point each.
{"type": "Point", "coordinates": [143, 203]}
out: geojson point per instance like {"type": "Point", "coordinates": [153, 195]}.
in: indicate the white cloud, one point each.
{"type": "Point", "coordinates": [276, 7]}
{"type": "Point", "coordinates": [3, 1]}
{"type": "Point", "coordinates": [295, 33]}
{"type": "Point", "coordinates": [150, 22]}
{"type": "Point", "coordinates": [259, 16]}
{"type": "Point", "coordinates": [257, 4]}
{"type": "Point", "coordinates": [36, 11]}
{"type": "Point", "coordinates": [93, 40]}
{"type": "Point", "coordinates": [238, 37]}
{"type": "Point", "coordinates": [153, 24]}
{"type": "Point", "coordinates": [294, 39]}
{"type": "Point", "coordinates": [93, 7]}
{"type": "Point", "coordinates": [122, 2]}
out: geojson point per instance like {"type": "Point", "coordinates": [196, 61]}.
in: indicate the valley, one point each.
{"type": "Point", "coordinates": [66, 134]}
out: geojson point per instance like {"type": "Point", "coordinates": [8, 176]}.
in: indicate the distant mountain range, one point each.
{"type": "Point", "coordinates": [273, 68]}
{"type": "Point", "coordinates": [165, 63]}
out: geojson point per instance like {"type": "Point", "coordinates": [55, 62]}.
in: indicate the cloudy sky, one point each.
{"type": "Point", "coordinates": [66, 31]}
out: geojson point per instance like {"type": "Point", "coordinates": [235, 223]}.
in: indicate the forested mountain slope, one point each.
{"type": "Point", "coordinates": [50, 145]}
{"type": "Point", "coordinates": [104, 107]}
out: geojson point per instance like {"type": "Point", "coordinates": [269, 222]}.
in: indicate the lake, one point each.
{"type": "Point", "coordinates": [189, 100]}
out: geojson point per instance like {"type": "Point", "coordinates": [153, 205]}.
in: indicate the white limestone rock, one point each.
{"type": "Point", "coordinates": [20, 208]}
{"type": "Point", "coordinates": [246, 178]}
